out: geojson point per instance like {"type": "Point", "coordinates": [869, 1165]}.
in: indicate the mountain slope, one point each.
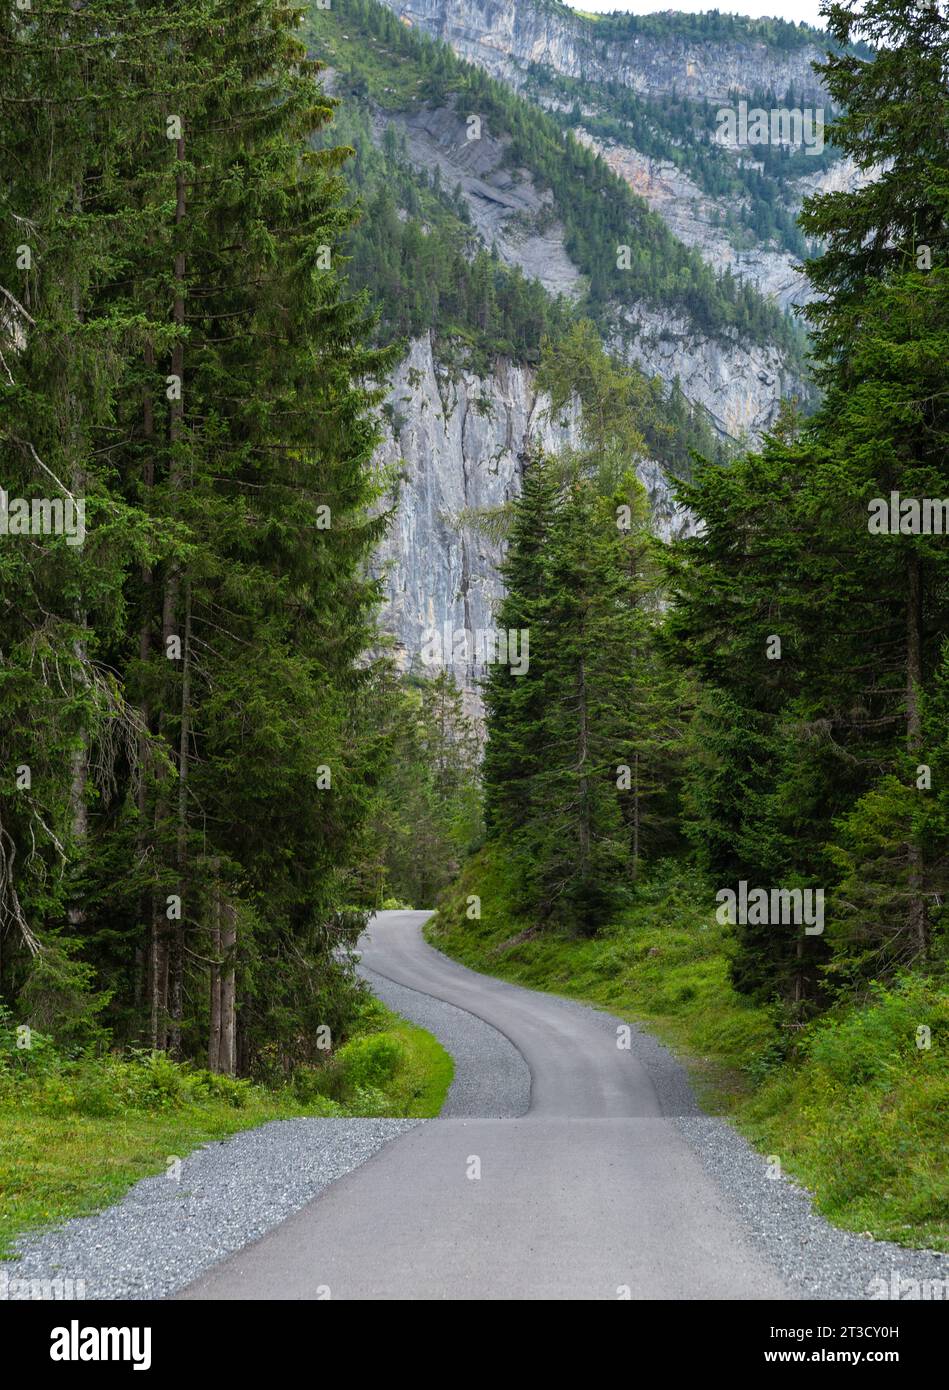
{"type": "Point", "coordinates": [701, 56]}
{"type": "Point", "coordinates": [487, 229]}
{"type": "Point", "coordinates": [551, 206]}
{"type": "Point", "coordinates": [643, 92]}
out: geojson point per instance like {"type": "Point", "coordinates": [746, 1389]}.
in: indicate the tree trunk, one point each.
{"type": "Point", "coordinates": [918, 923]}
{"type": "Point", "coordinates": [214, 1029]}
{"type": "Point", "coordinates": [79, 760]}
{"type": "Point", "coordinates": [148, 908]}
{"type": "Point", "coordinates": [173, 932]}
{"type": "Point", "coordinates": [228, 1059]}
{"type": "Point", "coordinates": [584, 829]}
{"type": "Point", "coordinates": [177, 952]}
{"type": "Point", "coordinates": [635, 815]}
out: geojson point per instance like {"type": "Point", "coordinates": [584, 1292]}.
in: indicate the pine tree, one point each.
{"type": "Point", "coordinates": [70, 222]}
{"type": "Point", "coordinates": [586, 637]}
{"type": "Point", "coordinates": [514, 703]}
{"type": "Point", "coordinates": [574, 751]}
{"type": "Point", "coordinates": [894, 120]}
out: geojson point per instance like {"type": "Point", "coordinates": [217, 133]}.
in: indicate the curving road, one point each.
{"type": "Point", "coordinates": [593, 1193]}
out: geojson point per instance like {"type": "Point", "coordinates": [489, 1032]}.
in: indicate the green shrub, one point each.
{"type": "Point", "coordinates": [370, 1015]}
{"type": "Point", "coordinates": [158, 1083]}
{"type": "Point", "coordinates": [367, 1100]}
{"type": "Point", "coordinates": [312, 1083]}
{"type": "Point", "coordinates": [94, 1090]}
{"type": "Point", "coordinates": [211, 1085]}
{"type": "Point", "coordinates": [869, 1044]}
{"type": "Point", "coordinates": [38, 1058]}
{"type": "Point", "coordinates": [370, 1061]}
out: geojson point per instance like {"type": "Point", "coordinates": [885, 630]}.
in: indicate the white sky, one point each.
{"type": "Point", "coordinates": [796, 10]}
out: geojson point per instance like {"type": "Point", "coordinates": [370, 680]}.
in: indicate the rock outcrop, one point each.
{"type": "Point", "coordinates": [737, 383]}
{"type": "Point", "coordinates": [457, 442]}
{"type": "Point", "coordinates": [505, 36]}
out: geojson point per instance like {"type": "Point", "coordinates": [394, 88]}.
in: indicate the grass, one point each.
{"type": "Point", "coordinates": [58, 1158]}
{"type": "Point", "coordinates": [855, 1110]}
{"type": "Point", "coordinates": [392, 81]}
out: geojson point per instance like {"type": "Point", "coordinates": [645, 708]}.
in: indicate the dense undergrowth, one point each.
{"type": "Point", "coordinates": [76, 1131]}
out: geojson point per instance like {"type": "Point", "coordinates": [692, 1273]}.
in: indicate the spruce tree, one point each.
{"type": "Point", "coordinates": [182, 347]}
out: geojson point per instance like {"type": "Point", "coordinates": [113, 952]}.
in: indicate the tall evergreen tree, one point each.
{"type": "Point", "coordinates": [182, 350]}
{"type": "Point", "coordinates": [828, 780]}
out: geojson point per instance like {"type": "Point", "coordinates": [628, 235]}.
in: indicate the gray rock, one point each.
{"type": "Point", "coordinates": [505, 37]}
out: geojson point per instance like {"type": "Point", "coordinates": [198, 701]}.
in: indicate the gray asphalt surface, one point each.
{"type": "Point", "coordinates": [596, 1192]}
{"type": "Point", "coordinates": [599, 1176]}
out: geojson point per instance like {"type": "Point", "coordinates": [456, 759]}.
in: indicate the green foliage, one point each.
{"type": "Point", "coordinates": [97, 1086]}
{"type": "Point", "coordinates": [861, 1117]}
{"type": "Point", "coordinates": [817, 768]}
{"type": "Point", "coordinates": [759, 195]}
{"type": "Point", "coordinates": [413, 249]}
{"type": "Point", "coordinates": [415, 252]}
{"type": "Point", "coordinates": [355, 1073]}
{"type": "Point", "coordinates": [895, 115]}
{"type": "Point", "coordinates": [74, 1138]}
{"type": "Point", "coordinates": [878, 1042]}
{"type": "Point", "coordinates": [24, 1051]}
{"type": "Point", "coordinates": [710, 28]}
{"type": "Point", "coordinates": [370, 1061]}
{"type": "Point", "coordinates": [426, 810]}
{"type": "Point", "coordinates": [234, 517]}
{"type": "Point", "coordinates": [577, 765]}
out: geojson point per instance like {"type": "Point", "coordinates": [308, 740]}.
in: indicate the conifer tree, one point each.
{"type": "Point", "coordinates": [836, 740]}
{"type": "Point", "coordinates": [182, 348]}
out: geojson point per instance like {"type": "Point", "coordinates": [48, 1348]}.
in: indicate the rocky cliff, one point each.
{"type": "Point", "coordinates": [505, 36]}
{"type": "Point", "coordinates": [456, 442]}
{"type": "Point", "coordinates": [456, 436]}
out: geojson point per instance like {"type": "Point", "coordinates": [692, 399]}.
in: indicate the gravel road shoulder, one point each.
{"type": "Point", "coordinates": [167, 1230]}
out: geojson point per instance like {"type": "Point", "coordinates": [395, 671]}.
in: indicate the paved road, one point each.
{"type": "Point", "coordinates": [591, 1194]}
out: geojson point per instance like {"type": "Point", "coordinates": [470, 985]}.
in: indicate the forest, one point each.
{"type": "Point", "coordinates": [213, 770]}
{"type": "Point", "coordinates": [679, 130]}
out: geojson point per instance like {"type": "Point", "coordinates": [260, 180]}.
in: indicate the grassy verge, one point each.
{"type": "Point", "coordinates": [75, 1136]}
{"type": "Point", "coordinates": [855, 1109]}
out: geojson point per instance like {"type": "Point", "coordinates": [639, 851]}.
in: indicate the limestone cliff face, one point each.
{"type": "Point", "coordinates": [459, 441]}
{"type": "Point", "coordinates": [739, 384]}
{"type": "Point", "coordinates": [504, 36]}
{"type": "Point", "coordinates": [505, 207]}
{"type": "Point", "coordinates": [696, 219]}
